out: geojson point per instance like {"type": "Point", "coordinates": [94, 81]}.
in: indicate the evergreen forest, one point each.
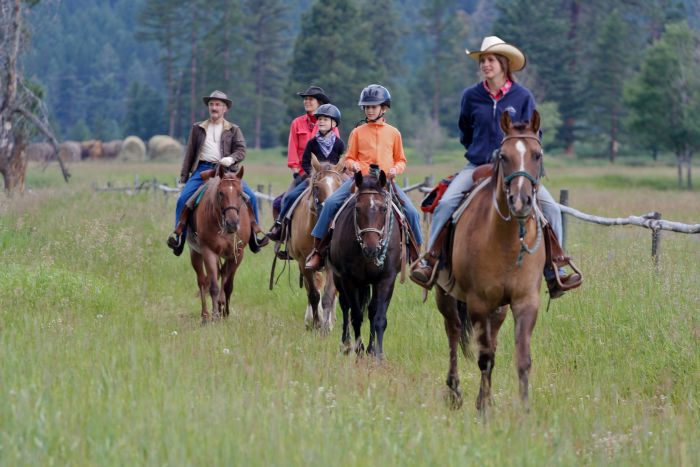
{"type": "Point", "coordinates": [611, 77]}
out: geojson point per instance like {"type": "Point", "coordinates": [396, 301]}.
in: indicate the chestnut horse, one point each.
{"type": "Point", "coordinates": [325, 179]}
{"type": "Point", "coordinates": [217, 236]}
{"type": "Point", "coordinates": [366, 255]}
{"type": "Point", "coordinates": [496, 260]}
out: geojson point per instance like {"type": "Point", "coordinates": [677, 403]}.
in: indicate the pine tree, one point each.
{"type": "Point", "coordinates": [267, 36]}
{"type": "Point", "coordinates": [610, 68]}
{"type": "Point", "coordinates": [327, 53]}
{"type": "Point", "coordinates": [664, 99]}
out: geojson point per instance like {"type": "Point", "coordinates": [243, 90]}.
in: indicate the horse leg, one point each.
{"type": "Point", "coordinates": [328, 301]}
{"type": "Point", "coordinates": [356, 299]}
{"type": "Point", "coordinates": [525, 318]}
{"type": "Point", "coordinates": [229, 273]}
{"type": "Point", "coordinates": [489, 324]}
{"type": "Point", "coordinates": [371, 313]}
{"type": "Point", "coordinates": [211, 265]}
{"type": "Point", "coordinates": [345, 344]}
{"type": "Point", "coordinates": [453, 328]}
{"type": "Point", "coordinates": [198, 266]}
{"type": "Point", "coordinates": [381, 295]}
{"type": "Point", "coordinates": [313, 298]}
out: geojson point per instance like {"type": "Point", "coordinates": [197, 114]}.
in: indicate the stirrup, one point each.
{"type": "Point", "coordinates": [433, 275]}
{"type": "Point", "coordinates": [280, 253]}
{"type": "Point", "coordinates": [311, 256]}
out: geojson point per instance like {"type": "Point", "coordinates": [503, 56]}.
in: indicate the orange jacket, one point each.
{"type": "Point", "coordinates": [376, 143]}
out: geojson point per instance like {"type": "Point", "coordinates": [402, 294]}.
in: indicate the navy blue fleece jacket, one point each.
{"type": "Point", "coordinates": [479, 119]}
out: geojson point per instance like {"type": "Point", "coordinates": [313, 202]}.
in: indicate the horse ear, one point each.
{"type": "Point", "coordinates": [220, 171]}
{"type": "Point", "coordinates": [358, 179]}
{"type": "Point", "coordinates": [239, 174]}
{"type": "Point", "coordinates": [382, 179]}
{"type": "Point", "coordinates": [340, 166]}
{"type": "Point", "coordinates": [315, 163]}
{"type": "Point", "coordinates": [506, 122]}
{"type": "Point", "coordinates": [535, 121]}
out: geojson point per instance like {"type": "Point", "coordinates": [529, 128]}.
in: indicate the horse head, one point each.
{"type": "Point", "coordinates": [519, 162]}
{"type": "Point", "coordinates": [372, 215]}
{"type": "Point", "coordinates": [229, 196]}
{"type": "Point", "coordinates": [325, 179]}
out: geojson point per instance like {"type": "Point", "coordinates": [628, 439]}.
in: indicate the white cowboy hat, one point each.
{"type": "Point", "coordinates": [496, 45]}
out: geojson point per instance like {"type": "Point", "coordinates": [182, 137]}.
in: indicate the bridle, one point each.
{"type": "Point", "coordinates": [384, 232]}
{"type": "Point", "coordinates": [232, 207]}
{"type": "Point", "coordinates": [535, 180]}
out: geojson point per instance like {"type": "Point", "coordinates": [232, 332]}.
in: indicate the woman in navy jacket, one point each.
{"type": "Point", "coordinates": [481, 135]}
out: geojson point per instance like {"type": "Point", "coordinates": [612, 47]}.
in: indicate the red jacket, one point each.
{"type": "Point", "coordinates": [302, 129]}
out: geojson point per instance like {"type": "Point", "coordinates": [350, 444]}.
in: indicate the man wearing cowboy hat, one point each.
{"type": "Point", "coordinates": [210, 141]}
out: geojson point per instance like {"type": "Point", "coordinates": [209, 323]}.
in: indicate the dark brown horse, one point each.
{"type": "Point", "coordinates": [365, 255]}
{"type": "Point", "coordinates": [325, 179]}
{"type": "Point", "coordinates": [496, 260]}
{"type": "Point", "coordinates": [217, 237]}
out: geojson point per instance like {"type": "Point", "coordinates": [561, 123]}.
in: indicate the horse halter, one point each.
{"type": "Point", "coordinates": [524, 248]}
{"type": "Point", "coordinates": [384, 235]}
{"type": "Point", "coordinates": [232, 207]}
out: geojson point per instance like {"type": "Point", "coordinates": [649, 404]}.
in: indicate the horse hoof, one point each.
{"type": "Point", "coordinates": [453, 399]}
{"type": "Point", "coordinates": [346, 348]}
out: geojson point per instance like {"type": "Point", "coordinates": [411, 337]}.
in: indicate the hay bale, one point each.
{"type": "Point", "coordinates": [110, 149]}
{"type": "Point", "coordinates": [133, 150]}
{"type": "Point", "coordinates": [39, 152]}
{"type": "Point", "coordinates": [69, 151]}
{"type": "Point", "coordinates": [91, 149]}
{"type": "Point", "coordinates": [165, 148]}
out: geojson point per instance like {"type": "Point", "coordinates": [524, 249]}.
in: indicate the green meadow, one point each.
{"type": "Point", "coordinates": [104, 361]}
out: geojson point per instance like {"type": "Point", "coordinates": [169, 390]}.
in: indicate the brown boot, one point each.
{"type": "Point", "coordinates": [175, 240]}
{"type": "Point", "coordinates": [568, 281]}
{"type": "Point", "coordinates": [275, 233]}
{"type": "Point", "coordinates": [257, 238]}
{"type": "Point", "coordinates": [423, 272]}
{"type": "Point", "coordinates": [316, 259]}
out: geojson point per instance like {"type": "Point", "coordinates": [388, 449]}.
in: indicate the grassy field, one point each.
{"type": "Point", "coordinates": [104, 361]}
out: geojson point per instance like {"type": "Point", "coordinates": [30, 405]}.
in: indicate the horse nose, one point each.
{"type": "Point", "coordinates": [528, 200]}
{"type": "Point", "coordinates": [370, 252]}
{"type": "Point", "coordinates": [231, 226]}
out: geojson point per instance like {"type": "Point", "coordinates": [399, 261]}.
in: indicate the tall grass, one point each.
{"type": "Point", "coordinates": [104, 361]}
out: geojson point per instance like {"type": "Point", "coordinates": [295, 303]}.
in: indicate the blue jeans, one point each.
{"type": "Point", "coordinates": [290, 197]}
{"type": "Point", "coordinates": [336, 200]}
{"type": "Point", "coordinates": [462, 182]}
{"type": "Point", "coordinates": [195, 181]}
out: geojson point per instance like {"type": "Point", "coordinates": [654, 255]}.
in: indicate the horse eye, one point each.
{"type": "Point", "coordinates": [383, 209]}
{"type": "Point", "coordinates": [537, 156]}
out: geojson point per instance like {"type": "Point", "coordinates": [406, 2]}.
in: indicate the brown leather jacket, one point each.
{"type": "Point", "coordinates": [232, 144]}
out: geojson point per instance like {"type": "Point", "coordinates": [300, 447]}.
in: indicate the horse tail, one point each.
{"type": "Point", "coordinates": [466, 330]}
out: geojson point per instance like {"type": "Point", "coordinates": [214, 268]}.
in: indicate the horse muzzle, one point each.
{"type": "Point", "coordinates": [231, 226]}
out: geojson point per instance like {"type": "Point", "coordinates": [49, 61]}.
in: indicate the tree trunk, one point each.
{"type": "Point", "coordinates": [613, 138]}
{"type": "Point", "coordinates": [679, 163]}
{"type": "Point", "coordinates": [14, 168]}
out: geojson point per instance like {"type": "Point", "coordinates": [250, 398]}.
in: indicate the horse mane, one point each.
{"type": "Point", "coordinates": [209, 204]}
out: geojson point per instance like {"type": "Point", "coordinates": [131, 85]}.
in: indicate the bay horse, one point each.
{"type": "Point", "coordinates": [325, 179]}
{"type": "Point", "coordinates": [218, 234]}
{"type": "Point", "coordinates": [366, 253]}
{"type": "Point", "coordinates": [496, 260]}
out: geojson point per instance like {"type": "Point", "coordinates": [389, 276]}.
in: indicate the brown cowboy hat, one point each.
{"type": "Point", "coordinates": [496, 45]}
{"type": "Point", "coordinates": [220, 96]}
{"type": "Point", "coordinates": [317, 92]}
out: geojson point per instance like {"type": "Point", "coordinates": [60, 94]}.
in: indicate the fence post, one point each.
{"type": "Point", "coordinates": [564, 201]}
{"type": "Point", "coordinates": [260, 189]}
{"type": "Point", "coordinates": [655, 239]}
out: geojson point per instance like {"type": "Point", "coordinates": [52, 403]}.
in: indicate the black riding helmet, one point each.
{"type": "Point", "coordinates": [330, 111]}
{"type": "Point", "coordinates": [317, 92]}
{"type": "Point", "coordinates": [375, 94]}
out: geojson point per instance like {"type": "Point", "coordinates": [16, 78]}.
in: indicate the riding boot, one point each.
{"type": "Point", "coordinates": [275, 233]}
{"type": "Point", "coordinates": [256, 242]}
{"type": "Point", "coordinates": [317, 258]}
{"type": "Point", "coordinates": [423, 272]}
{"type": "Point", "coordinates": [175, 240]}
{"type": "Point", "coordinates": [568, 281]}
